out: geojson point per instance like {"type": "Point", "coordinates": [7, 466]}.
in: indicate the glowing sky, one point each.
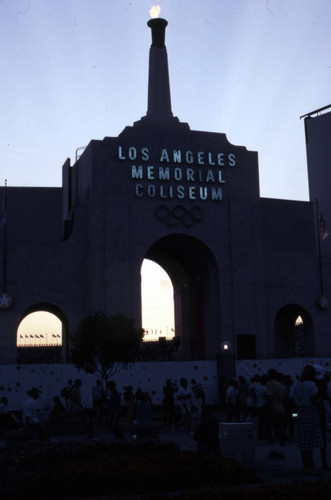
{"type": "Point", "coordinates": [76, 70]}
{"type": "Point", "coordinates": [157, 296]}
{"type": "Point", "coordinates": [39, 329]}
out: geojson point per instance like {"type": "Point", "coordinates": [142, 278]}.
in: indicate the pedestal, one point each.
{"type": "Point", "coordinates": [237, 441]}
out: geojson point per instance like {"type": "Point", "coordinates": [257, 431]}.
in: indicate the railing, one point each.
{"type": "Point", "coordinates": [152, 351]}
{"type": "Point", "coordinates": [39, 354]}
{"type": "Point", "coordinates": [162, 350]}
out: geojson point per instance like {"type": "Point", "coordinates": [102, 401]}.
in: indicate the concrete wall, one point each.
{"type": "Point", "coordinates": [15, 381]}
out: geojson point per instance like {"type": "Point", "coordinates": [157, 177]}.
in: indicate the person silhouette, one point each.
{"type": "Point", "coordinates": [184, 399]}
{"type": "Point", "coordinates": [31, 411]}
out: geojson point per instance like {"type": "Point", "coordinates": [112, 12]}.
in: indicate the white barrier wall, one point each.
{"type": "Point", "coordinates": [15, 381]}
{"type": "Point", "coordinates": [293, 367]}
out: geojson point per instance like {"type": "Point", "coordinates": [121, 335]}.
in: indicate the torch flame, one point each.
{"type": "Point", "coordinates": [154, 11]}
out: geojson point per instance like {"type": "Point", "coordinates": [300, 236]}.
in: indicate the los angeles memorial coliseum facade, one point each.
{"type": "Point", "coordinates": [243, 268]}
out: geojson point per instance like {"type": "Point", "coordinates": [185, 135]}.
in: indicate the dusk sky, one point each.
{"type": "Point", "coordinates": [77, 70]}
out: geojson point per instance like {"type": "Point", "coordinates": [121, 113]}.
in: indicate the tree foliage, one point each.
{"type": "Point", "coordinates": [106, 344]}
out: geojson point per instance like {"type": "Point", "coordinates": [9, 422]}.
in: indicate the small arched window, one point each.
{"type": "Point", "coordinates": [39, 338]}
{"type": "Point", "coordinates": [293, 332]}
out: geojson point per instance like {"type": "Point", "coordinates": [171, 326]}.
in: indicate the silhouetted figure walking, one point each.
{"type": "Point", "coordinates": [169, 391]}
{"type": "Point", "coordinates": [304, 394]}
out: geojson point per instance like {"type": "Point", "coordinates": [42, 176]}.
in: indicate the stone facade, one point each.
{"type": "Point", "coordinates": [243, 268]}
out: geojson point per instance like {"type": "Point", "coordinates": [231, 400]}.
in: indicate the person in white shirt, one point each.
{"type": "Point", "coordinates": [31, 410]}
{"type": "Point", "coordinates": [184, 400]}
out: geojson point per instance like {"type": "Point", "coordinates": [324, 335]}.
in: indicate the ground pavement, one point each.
{"type": "Point", "coordinates": [269, 471]}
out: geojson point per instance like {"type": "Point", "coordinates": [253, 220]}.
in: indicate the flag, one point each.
{"type": "Point", "coordinates": [3, 217]}
{"type": "Point", "coordinates": [323, 229]}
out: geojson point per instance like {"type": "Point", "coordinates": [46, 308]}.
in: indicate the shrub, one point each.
{"type": "Point", "coordinates": [69, 469]}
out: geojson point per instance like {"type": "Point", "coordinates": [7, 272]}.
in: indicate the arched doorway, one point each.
{"type": "Point", "coordinates": [42, 335]}
{"type": "Point", "coordinates": [193, 272]}
{"type": "Point", "coordinates": [294, 334]}
{"type": "Point", "coordinates": [157, 298]}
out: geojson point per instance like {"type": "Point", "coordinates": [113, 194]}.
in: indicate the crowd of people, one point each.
{"type": "Point", "coordinates": [108, 407]}
{"type": "Point", "coordinates": [181, 401]}
{"type": "Point", "coordinates": [284, 408]}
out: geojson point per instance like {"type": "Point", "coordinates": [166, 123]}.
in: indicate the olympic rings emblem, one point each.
{"type": "Point", "coordinates": [179, 215]}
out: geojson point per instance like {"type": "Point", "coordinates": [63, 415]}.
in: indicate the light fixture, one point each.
{"type": "Point", "coordinates": [225, 346]}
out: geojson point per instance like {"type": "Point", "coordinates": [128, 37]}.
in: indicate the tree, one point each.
{"type": "Point", "coordinates": [106, 344]}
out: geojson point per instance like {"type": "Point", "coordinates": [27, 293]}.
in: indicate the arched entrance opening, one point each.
{"type": "Point", "coordinates": [193, 272]}
{"type": "Point", "coordinates": [294, 335]}
{"type": "Point", "coordinates": [42, 335]}
{"type": "Point", "coordinates": [157, 298]}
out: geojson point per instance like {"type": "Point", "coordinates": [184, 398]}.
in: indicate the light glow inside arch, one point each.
{"type": "Point", "coordinates": [40, 328]}
{"type": "Point", "coordinates": [157, 298]}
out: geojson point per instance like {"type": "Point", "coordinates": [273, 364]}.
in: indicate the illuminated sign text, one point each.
{"type": "Point", "coordinates": [177, 173]}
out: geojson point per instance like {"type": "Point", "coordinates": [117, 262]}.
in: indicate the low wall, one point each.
{"type": "Point", "coordinates": [293, 367]}
{"type": "Point", "coordinates": [16, 380]}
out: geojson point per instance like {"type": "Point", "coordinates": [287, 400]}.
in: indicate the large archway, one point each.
{"type": "Point", "coordinates": [294, 335]}
{"type": "Point", "coordinates": [193, 272]}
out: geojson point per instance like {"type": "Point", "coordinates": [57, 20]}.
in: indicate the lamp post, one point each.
{"type": "Point", "coordinates": [226, 369]}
